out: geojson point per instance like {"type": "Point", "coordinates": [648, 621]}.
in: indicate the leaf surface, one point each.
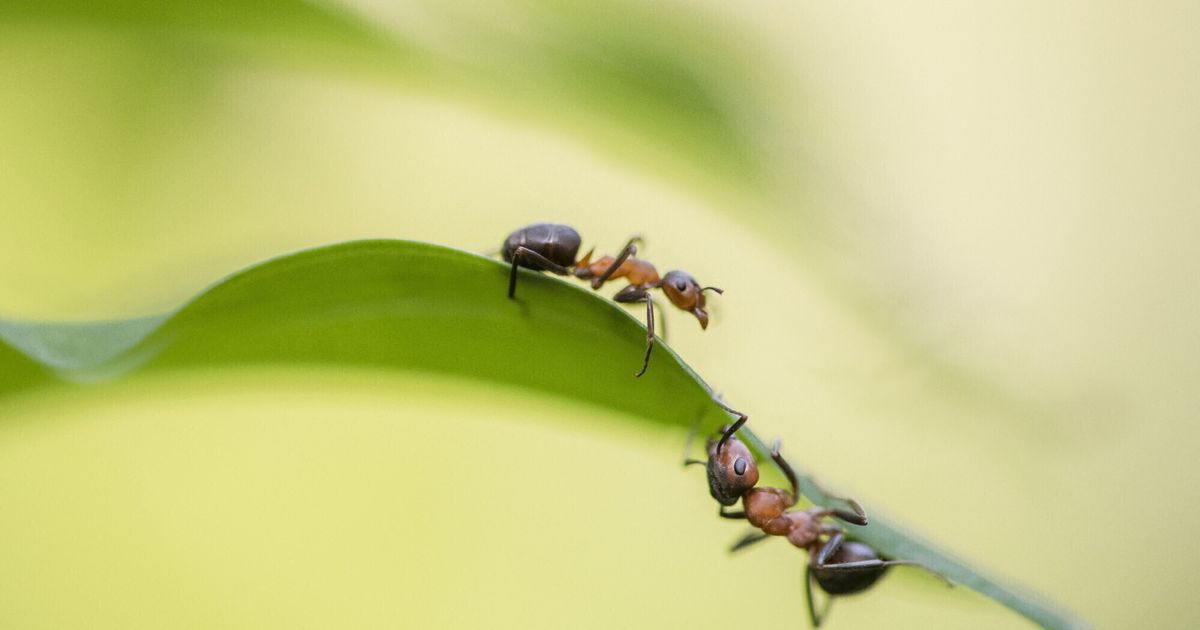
{"type": "Point", "coordinates": [427, 308]}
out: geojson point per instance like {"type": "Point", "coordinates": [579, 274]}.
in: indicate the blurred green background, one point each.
{"type": "Point", "coordinates": [956, 243]}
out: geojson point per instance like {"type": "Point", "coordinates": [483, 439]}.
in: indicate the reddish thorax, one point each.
{"type": "Point", "coordinates": [639, 273]}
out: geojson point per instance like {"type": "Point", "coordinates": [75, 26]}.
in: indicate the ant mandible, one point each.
{"type": "Point", "coordinates": [553, 247]}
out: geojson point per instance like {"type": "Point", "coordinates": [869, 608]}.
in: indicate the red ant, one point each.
{"type": "Point", "coordinates": [838, 566]}
{"type": "Point", "coordinates": [553, 247]}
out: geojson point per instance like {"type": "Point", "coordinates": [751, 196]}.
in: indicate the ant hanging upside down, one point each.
{"type": "Point", "coordinates": [838, 566]}
{"type": "Point", "coordinates": [553, 247]}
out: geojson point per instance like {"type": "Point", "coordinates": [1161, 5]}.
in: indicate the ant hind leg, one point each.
{"type": "Point", "coordinates": [813, 615]}
{"type": "Point", "coordinates": [523, 252]}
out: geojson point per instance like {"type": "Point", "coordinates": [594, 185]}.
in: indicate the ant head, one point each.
{"type": "Point", "coordinates": [686, 294]}
{"type": "Point", "coordinates": [732, 470]}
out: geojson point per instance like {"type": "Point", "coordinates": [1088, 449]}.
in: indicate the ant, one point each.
{"type": "Point", "coordinates": [553, 247]}
{"type": "Point", "coordinates": [838, 566]}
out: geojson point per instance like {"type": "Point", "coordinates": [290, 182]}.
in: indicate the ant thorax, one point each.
{"type": "Point", "coordinates": [766, 509]}
{"type": "Point", "coordinates": [638, 272]}
{"type": "Point", "coordinates": [805, 530]}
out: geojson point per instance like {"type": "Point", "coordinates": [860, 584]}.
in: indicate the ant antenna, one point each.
{"type": "Point", "coordinates": [742, 418]}
{"type": "Point", "coordinates": [718, 290]}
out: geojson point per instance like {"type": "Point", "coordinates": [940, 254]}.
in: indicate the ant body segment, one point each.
{"type": "Point", "coordinates": [553, 247]}
{"type": "Point", "coordinates": [845, 567]}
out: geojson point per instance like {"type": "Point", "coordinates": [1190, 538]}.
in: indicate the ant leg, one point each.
{"type": "Point", "coordinates": [742, 418]}
{"type": "Point", "coordinates": [739, 515]}
{"type": "Point", "coordinates": [854, 518]}
{"type": "Point", "coordinates": [828, 549]}
{"type": "Point", "coordinates": [747, 540]}
{"type": "Point", "coordinates": [649, 336]}
{"type": "Point", "coordinates": [859, 517]}
{"type": "Point", "coordinates": [808, 596]}
{"type": "Point", "coordinates": [860, 514]}
{"type": "Point", "coordinates": [787, 470]}
{"type": "Point", "coordinates": [627, 251]}
{"type": "Point", "coordinates": [524, 252]}
{"type": "Point", "coordinates": [821, 561]}
{"type": "Point", "coordinates": [632, 294]}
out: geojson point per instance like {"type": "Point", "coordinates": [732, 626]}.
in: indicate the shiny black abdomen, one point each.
{"type": "Point", "coordinates": [849, 582]}
{"type": "Point", "coordinates": [558, 243]}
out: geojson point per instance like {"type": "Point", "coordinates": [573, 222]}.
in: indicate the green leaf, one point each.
{"type": "Point", "coordinates": [423, 307]}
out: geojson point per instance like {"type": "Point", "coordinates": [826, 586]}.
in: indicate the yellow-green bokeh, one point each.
{"type": "Point", "coordinates": [959, 283]}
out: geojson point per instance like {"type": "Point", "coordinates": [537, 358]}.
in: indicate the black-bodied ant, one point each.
{"type": "Point", "coordinates": [838, 566]}
{"type": "Point", "coordinates": [553, 247]}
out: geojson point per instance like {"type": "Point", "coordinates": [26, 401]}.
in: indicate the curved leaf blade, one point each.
{"type": "Point", "coordinates": [418, 306]}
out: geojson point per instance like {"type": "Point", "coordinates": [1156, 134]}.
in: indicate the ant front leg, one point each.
{"type": "Point", "coordinates": [631, 294]}
{"type": "Point", "coordinates": [627, 251]}
{"type": "Point", "coordinates": [523, 252]}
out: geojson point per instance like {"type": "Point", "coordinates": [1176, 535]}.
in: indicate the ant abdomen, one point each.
{"type": "Point", "coordinates": [840, 581]}
{"type": "Point", "coordinates": [554, 242]}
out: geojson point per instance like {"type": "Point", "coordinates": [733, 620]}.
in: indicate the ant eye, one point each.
{"type": "Point", "coordinates": [739, 466]}
{"type": "Point", "coordinates": [681, 285]}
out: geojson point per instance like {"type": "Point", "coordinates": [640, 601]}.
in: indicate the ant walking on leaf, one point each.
{"type": "Point", "coordinates": [554, 247]}
{"type": "Point", "coordinates": [837, 566]}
